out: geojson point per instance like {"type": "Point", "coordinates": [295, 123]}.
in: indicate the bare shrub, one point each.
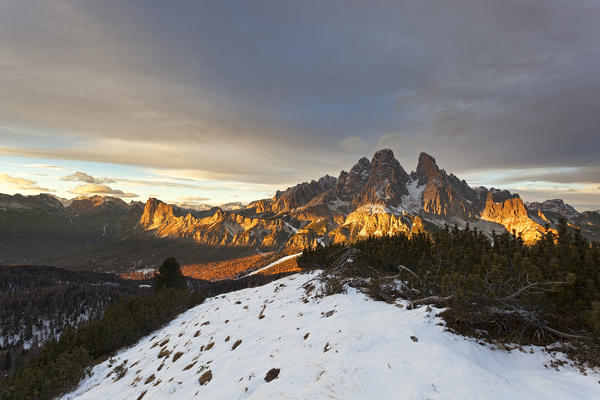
{"type": "Point", "coordinates": [189, 366]}
{"type": "Point", "coordinates": [272, 374]}
{"type": "Point", "coordinates": [177, 355]}
{"type": "Point", "coordinates": [209, 346]}
{"type": "Point", "coordinates": [236, 344]}
{"type": "Point", "coordinates": [120, 370]}
{"type": "Point", "coordinates": [164, 353]}
{"type": "Point", "coordinates": [205, 377]}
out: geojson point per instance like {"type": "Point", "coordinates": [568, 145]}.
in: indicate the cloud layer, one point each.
{"type": "Point", "coordinates": [83, 177]}
{"type": "Point", "coordinates": [93, 189]}
{"type": "Point", "coordinates": [273, 93]}
{"type": "Point", "coordinates": [16, 183]}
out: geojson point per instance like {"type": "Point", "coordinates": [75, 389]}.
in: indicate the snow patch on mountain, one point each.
{"type": "Point", "coordinates": [277, 342]}
{"type": "Point", "coordinates": [274, 263]}
{"type": "Point", "coordinates": [413, 202]}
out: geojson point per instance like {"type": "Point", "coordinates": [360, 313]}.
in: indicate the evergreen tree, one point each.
{"type": "Point", "coordinates": [169, 276]}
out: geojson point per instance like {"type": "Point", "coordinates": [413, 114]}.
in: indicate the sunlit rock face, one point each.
{"type": "Point", "coordinates": [214, 227]}
{"type": "Point", "coordinates": [444, 194]}
{"type": "Point", "coordinates": [375, 197]}
{"type": "Point", "coordinates": [509, 211]}
{"type": "Point", "coordinates": [371, 220]}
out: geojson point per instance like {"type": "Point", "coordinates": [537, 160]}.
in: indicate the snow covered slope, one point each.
{"type": "Point", "coordinates": [336, 347]}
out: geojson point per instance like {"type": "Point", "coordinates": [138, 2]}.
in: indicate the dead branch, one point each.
{"type": "Point", "coordinates": [563, 334]}
{"type": "Point", "coordinates": [437, 300]}
{"type": "Point", "coordinates": [399, 267]}
{"type": "Point", "coordinates": [538, 286]}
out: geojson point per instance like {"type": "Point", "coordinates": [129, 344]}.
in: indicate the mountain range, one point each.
{"type": "Point", "coordinates": [375, 197]}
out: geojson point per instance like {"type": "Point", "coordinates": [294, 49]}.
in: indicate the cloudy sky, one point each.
{"type": "Point", "coordinates": [218, 101]}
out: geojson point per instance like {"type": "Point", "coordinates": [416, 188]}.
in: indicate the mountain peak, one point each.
{"type": "Point", "coordinates": [427, 168]}
{"type": "Point", "coordinates": [554, 205]}
{"type": "Point", "coordinates": [383, 155]}
{"type": "Point", "coordinates": [386, 180]}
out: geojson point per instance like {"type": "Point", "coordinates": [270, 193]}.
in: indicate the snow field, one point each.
{"type": "Point", "coordinates": [344, 346]}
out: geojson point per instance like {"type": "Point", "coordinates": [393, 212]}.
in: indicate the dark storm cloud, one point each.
{"type": "Point", "coordinates": [279, 91]}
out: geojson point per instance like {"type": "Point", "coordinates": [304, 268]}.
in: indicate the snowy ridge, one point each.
{"type": "Point", "coordinates": [344, 346]}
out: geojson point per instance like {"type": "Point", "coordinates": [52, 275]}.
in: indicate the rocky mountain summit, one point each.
{"type": "Point", "coordinates": [375, 197]}
{"type": "Point", "coordinates": [557, 206]}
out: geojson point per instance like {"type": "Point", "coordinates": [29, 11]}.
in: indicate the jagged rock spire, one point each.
{"type": "Point", "coordinates": [386, 182]}
{"type": "Point", "coordinates": [427, 168]}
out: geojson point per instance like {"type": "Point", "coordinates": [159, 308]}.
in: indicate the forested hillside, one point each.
{"type": "Point", "coordinates": [37, 303]}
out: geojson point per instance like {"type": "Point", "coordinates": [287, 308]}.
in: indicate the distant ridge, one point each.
{"type": "Point", "coordinates": [375, 197]}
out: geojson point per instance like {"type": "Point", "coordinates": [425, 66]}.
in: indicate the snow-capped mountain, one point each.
{"type": "Point", "coordinates": [278, 341]}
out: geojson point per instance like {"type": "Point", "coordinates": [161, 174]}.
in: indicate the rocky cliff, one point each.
{"type": "Point", "coordinates": [375, 197]}
{"type": "Point", "coordinates": [510, 212]}
{"type": "Point", "coordinates": [214, 227]}
{"type": "Point", "coordinates": [444, 194]}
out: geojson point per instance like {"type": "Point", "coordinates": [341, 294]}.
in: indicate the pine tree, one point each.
{"type": "Point", "coordinates": [169, 276]}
